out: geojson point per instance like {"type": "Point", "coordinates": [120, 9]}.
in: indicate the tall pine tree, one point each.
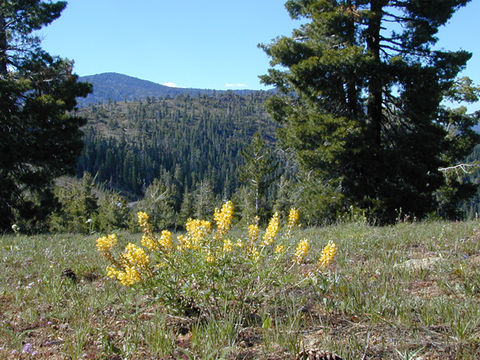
{"type": "Point", "coordinates": [362, 100]}
{"type": "Point", "coordinates": [39, 137]}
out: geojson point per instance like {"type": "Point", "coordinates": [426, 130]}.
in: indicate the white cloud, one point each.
{"type": "Point", "coordinates": [238, 85]}
{"type": "Point", "coordinates": [170, 84]}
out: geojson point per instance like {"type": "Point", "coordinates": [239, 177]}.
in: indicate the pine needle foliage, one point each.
{"type": "Point", "coordinates": [352, 81]}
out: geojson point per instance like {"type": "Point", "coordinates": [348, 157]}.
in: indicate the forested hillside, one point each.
{"type": "Point", "coordinates": [129, 144]}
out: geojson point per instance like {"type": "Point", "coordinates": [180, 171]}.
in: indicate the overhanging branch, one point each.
{"type": "Point", "coordinates": [465, 168]}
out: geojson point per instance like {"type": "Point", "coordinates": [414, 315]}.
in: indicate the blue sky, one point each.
{"type": "Point", "coordinates": [198, 43]}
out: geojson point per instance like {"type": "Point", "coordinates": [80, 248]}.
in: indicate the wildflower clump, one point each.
{"type": "Point", "coordinates": [328, 254]}
{"type": "Point", "coordinates": [135, 255]}
{"type": "Point", "coordinates": [128, 276]}
{"type": "Point", "coordinates": [207, 263]}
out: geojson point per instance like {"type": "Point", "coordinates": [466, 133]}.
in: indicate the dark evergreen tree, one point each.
{"type": "Point", "coordinates": [204, 203]}
{"type": "Point", "coordinates": [286, 196]}
{"type": "Point", "coordinates": [186, 209]}
{"type": "Point", "coordinates": [355, 79]}
{"type": "Point", "coordinates": [258, 172]}
{"type": "Point", "coordinates": [78, 207]}
{"type": "Point", "coordinates": [244, 206]}
{"type": "Point", "coordinates": [39, 137]}
{"type": "Point", "coordinates": [159, 204]}
{"type": "Point", "coordinates": [113, 213]}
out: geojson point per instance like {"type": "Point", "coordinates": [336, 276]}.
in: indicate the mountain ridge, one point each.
{"type": "Point", "coordinates": [112, 86]}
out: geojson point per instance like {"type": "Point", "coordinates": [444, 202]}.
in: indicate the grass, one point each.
{"type": "Point", "coordinates": [409, 291]}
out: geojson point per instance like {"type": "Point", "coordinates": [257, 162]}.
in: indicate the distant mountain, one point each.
{"type": "Point", "coordinates": [119, 87]}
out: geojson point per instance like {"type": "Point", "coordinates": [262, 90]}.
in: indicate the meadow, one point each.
{"type": "Point", "coordinates": [407, 291]}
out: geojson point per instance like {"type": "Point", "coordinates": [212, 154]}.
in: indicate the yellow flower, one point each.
{"type": "Point", "coordinates": [253, 233]}
{"type": "Point", "coordinates": [197, 230]}
{"type": "Point", "coordinates": [148, 241]}
{"type": "Point", "coordinates": [209, 257]}
{"type": "Point", "coordinates": [279, 249]}
{"type": "Point", "coordinates": [292, 220]}
{"type": "Point", "coordinates": [166, 239]}
{"type": "Point", "coordinates": [106, 243]}
{"type": "Point", "coordinates": [135, 255]}
{"type": "Point", "coordinates": [301, 252]}
{"type": "Point", "coordinates": [254, 254]}
{"type": "Point", "coordinates": [112, 272]}
{"type": "Point", "coordinates": [223, 218]}
{"type": "Point", "coordinates": [239, 243]}
{"type": "Point", "coordinates": [130, 276]}
{"type": "Point", "coordinates": [328, 254]}
{"type": "Point", "coordinates": [227, 245]}
{"type": "Point", "coordinates": [143, 219]}
{"type": "Point", "coordinates": [272, 230]}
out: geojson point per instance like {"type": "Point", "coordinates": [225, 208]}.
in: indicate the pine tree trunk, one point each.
{"type": "Point", "coordinates": [375, 83]}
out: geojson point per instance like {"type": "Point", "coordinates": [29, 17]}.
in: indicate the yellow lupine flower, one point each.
{"type": "Point", "coordinates": [227, 245]}
{"type": "Point", "coordinates": [196, 231]}
{"type": "Point", "coordinates": [135, 255]}
{"type": "Point", "coordinates": [112, 272]}
{"type": "Point", "coordinates": [143, 219]}
{"type": "Point", "coordinates": [254, 254]}
{"type": "Point", "coordinates": [272, 230]}
{"type": "Point", "coordinates": [148, 241]}
{"type": "Point", "coordinates": [166, 239]}
{"type": "Point", "coordinates": [301, 252]}
{"type": "Point", "coordinates": [279, 249]}
{"type": "Point", "coordinates": [293, 216]}
{"type": "Point", "coordinates": [106, 243]}
{"type": "Point", "coordinates": [328, 254]}
{"type": "Point", "coordinates": [253, 233]}
{"type": "Point", "coordinates": [223, 218]}
{"type": "Point", "coordinates": [130, 276]}
{"type": "Point", "coordinates": [209, 257]}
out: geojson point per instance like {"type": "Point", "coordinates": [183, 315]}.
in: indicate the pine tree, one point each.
{"type": "Point", "coordinates": [39, 137]}
{"type": "Point", "coordinates": [113, 213]}
{"type": "Point", "coordinates": [359, 117]}
{"type": "Point", "coordinates": [186, 209]}
{"type": "Point", "coordinates": [159, 203]}
{"type": "Point", "coordinates": [258, 171]}
{"type": "Point", "coordinates": [78, 207]}
{"type": "Point", "coordinates": [204, 204]}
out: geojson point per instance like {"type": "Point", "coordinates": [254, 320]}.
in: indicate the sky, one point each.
{"type": "Point", "coordinates": [208, 44]}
